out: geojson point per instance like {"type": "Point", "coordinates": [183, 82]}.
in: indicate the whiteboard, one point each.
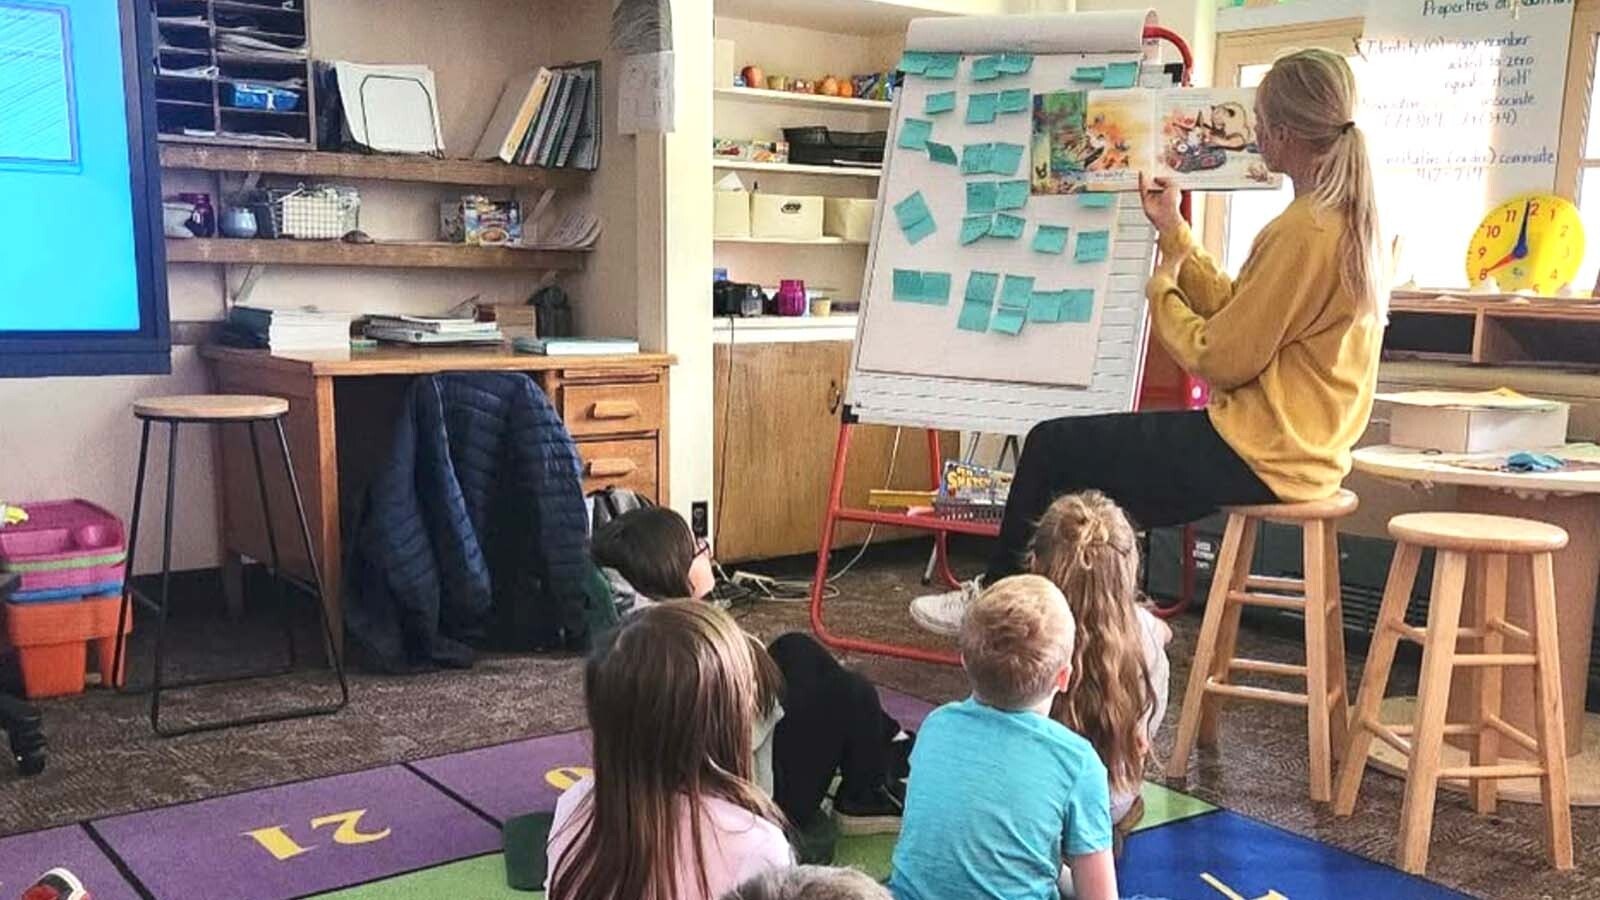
{"type": "Point", "coordinates": [911, 365]}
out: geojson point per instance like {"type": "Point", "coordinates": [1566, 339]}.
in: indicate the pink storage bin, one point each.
{"type": "Point", "coordinates": [58, 532]}
{"type": "Point", "coordinates": [61, 578]}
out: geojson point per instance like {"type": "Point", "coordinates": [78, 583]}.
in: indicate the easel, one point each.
{"type": "Point", "coordinates": [1176, 391]}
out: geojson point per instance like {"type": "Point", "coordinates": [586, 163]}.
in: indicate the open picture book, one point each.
{"type": "Point", "coordinates": [1100, 140]}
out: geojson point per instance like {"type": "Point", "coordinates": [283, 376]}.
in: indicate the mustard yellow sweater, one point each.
{"type": "Point", "coordinates": [1291, 358]}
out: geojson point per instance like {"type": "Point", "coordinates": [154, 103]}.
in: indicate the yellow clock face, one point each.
{"type": "Point", "coordinates": [1532, 243]}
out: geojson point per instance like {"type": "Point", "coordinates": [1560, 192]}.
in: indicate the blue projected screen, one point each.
{"type": "Point", "coordinates": [67, 212]}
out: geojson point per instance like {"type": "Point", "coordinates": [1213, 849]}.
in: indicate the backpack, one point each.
{"type": "Point", "coordinates": [609, 503]}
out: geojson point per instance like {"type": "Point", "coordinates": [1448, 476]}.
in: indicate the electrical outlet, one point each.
{"type": "Point", "coordinates": [700, 519]}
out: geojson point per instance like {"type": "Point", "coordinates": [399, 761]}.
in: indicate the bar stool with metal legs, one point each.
{"type": "Point", "coordinates": [1317, 596]}
{"type": "Point", "coordinates": [1486, 546]}
{"type": "Point", "coordinates": [222, 411]}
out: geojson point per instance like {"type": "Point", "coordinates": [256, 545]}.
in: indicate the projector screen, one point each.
{"type": "Point", "coordinates": [83, 285]}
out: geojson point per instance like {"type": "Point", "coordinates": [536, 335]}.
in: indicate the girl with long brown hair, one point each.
{"type": "Point", "coordinates": [814, 717]}
{"type": "Point", "coordinates": [1289, 348]}
{"type": "Point", "coordinates": [671, 812]}
{"type": "Point", "coordinates": [1118, 696]}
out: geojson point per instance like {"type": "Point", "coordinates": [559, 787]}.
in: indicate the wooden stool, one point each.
{"type": "Point", "coordinates": [220, 410]}
{"type": "Point", "coordinates": [1232, 589]}
{"type": "Point", "coordinates": [1484, 543]}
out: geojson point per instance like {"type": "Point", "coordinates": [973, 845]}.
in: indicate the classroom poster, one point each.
{"type": "Point", "coordinates": [1461, 103]}
{"type": "Point", "coordinates": [1097, 140]}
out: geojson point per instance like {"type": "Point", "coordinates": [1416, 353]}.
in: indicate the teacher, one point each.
{"type": "Point", "coordinates": [1290, 347]}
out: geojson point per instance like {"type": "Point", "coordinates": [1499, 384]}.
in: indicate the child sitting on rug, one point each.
{"type": "Point", "coordinates": [815, 718]}
{"type": "Point", "coordinates": [1085, 545]}
{"type": "Point", "coordinates": [1000, 793]}
{"type": "Point", "coordinates": [809, 883]}
{"type": "Point", "coordinates": [671, 810]}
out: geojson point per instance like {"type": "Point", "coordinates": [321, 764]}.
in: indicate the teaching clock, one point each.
{"type": "Point", "coordinates": [1534, 242]}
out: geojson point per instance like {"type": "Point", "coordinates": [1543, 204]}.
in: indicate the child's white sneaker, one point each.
{"type": "Point", "coordinates": [943, 613]}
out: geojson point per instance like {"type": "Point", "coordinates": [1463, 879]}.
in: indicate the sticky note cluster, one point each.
{"type": "Point", "coordinates": [914, 217]}
{"type": "Point", "coordinates": [1073, 305]}
{"type": "Point", "coordinates": [1016, 294]}
{"type": "Point", "coordinates": [1093, 246]}
{"type": "Point", "coordinates": [991, 159]}
{"type": "Point", "coordinates": [988, 68]}
{"type": "Point", "coordinates": [930, 65]}
{"type": "Point", "coordinates": [930, 288]}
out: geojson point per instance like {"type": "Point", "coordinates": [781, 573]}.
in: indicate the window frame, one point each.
{"type": "Point", "coordinates": [1570, 161]}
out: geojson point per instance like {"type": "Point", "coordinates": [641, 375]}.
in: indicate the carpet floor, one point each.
{"type": "Point", "coordinates": [104, 761]}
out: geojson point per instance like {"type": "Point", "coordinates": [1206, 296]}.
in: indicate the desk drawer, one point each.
{"type": "Point", "coordinates": [624, 464]}
{"type": "Point", "coordinates": [612, 408]}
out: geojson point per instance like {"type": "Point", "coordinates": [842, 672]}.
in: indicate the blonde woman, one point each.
{"type": "Point", "coordinates": [1290, 347]}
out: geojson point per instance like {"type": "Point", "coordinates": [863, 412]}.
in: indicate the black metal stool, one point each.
{"type": "Point", "coordinates": [222, 409]}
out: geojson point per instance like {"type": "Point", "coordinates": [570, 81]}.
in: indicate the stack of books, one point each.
{"type": "Point", "coordinates": [576, 346]}
{"type": "Point", "coordinates": [290, 329]}
{"type": "Point", "coordinates": [547, 117]}
{"type": "Point", "coordinates": [969, 491]}
{"type": "Point", "coordinates": [432, 330]}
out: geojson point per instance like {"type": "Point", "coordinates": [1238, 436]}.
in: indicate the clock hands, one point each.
{"type": "Point", "coordinates": [1520, 251]}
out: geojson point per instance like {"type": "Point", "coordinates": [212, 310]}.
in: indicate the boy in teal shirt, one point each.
{"type": "Point", "coordinates": [1000, 794]}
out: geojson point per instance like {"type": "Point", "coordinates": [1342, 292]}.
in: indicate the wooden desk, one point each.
{"type": "Point", "coordinates": [342, 410]}
{"type": "Point", "coordinates": [1570, 499]}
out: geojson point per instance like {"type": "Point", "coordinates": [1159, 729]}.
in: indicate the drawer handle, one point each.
{"type": "Point", "coordinates": [614, 409]}
{"type": "Point", "coordinates": [611, 468]}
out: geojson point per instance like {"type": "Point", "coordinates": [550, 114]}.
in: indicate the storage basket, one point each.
{"type": "Point", "coordinates": [817, 145]}
{"type": "Point", "coordinates": [314, 213]}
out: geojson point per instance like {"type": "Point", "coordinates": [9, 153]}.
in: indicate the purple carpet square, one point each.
{"type": "Point", "coordinates": [298, 839]}
{"type": "Point", "coordinates": [513, 779]}
{"type": "Point", "coordinates": [904, 708]}
{"type": "Point", "coordinates": [27, 856]}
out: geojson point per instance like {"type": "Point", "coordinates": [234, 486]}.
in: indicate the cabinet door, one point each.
{"type": "Point", "coordinates": [777, 423]}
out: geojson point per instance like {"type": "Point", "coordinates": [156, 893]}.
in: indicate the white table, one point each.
{"type": "Point", "coordinates": [1570, 499]}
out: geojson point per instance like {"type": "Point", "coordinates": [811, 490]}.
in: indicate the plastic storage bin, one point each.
{"type": "Point", "coordinates": [53, 642]}
{"type": "Point", "coordinates": [67, 549]}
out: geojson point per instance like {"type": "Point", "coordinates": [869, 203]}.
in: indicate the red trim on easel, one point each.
{"type": "Point", "coordinates": [1189, 394]}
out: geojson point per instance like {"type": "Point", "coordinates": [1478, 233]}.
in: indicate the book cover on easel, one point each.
{"type": "Point", "coordinates": [1100, 140]}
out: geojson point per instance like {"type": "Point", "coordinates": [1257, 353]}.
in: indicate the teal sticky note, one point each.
{"type": "Point", "coordinates": [1005, 158]}
{"type": "Point", "coordinates": [914, 134]}
{"type": "Point", "coordinates": [1097, 200]}
{"type": "Point", "coordinates": [911, 210]}
{"type": "Point", "coordinates": [1007, 226]}
{"type": "Point", "coordinates": [1050, 239]}
{"type": "Point", "coordinates": [981, 108]}
{"type": "Point", "coordinates": [907, 286]}
{"type": "Point", "coordinates": [1011, 194]}
{"type": "Point", "coordinates": [942, 102]}
{"type": "Point", "coordinates": [936, 288]}
{"type": "Point", "coordinates": [1121, 75]}
{"type": "Point", "coordinates": [981, 287]}
{"type": "Point", "coordinates": [986, 68]}
{"type": "Point", "coordinates": [974, 317]}
{"type": "Point", "coordinates": [916, 231]}
{"type": "Point", "coordinates": [974, 227]}
{"type": "Point", "coordinates": [1092, 246]}
{"type": "Point", "coordinates": [1015, 63]}
{"type": "Point", "coordinates": [977, 159]}
{"type": "Point", "coordinates": [1015, 100]}
{"type": "Point", "coordinates": [942, 65]}
{"type": "Point", "coordinates": [941, 153]}
{"type": "Point", "coordinates": [1045, 306]}
{"type": "Point", "coordinates": [1077, 305]}
{"type": "Point", "coordinates": [913, 62]}
{"type": "Point", "coordinates": [980, 197]}
{"type": "Point", "coordinates": [1089, 73]}
{"type": "Point", "coordinates": [1016, 292]}
{"type": "Point", "coordinates": [1009, 321]}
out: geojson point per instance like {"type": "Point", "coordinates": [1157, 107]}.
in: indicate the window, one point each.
{"type": "Point", "coordinates": [1578, 168]}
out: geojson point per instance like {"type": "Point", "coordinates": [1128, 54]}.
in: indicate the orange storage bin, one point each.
{"type": "Point", "coordinates": [53, 642]}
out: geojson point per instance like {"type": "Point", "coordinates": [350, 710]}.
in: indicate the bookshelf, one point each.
{"type": "Point", "coordinates": [793, 169]}
{"type": "Point", "coordinates": [392, 254]}
{"type": "Point", "coordinates": [205, 48]}
{"type": "Point", "coordinates": [791, 98]}
{"type": "Point", "coordinates": [421, 169]}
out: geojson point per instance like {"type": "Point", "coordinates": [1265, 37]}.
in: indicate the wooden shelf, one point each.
{"type": "Point", "coordinates": [210, 158]}
{"type": "Point", "coordinates": [790, 98]}
{"type": "Point", "coordinates": [419, 255]}
{"type": "Point", "coordinates": [1504, 330]}
{"type": "Point", "coordinates": [794, 169]}
{"type": "Point", "coordinates": [837, 16]}
{"type": "Point", "coordinates": [804, 242]}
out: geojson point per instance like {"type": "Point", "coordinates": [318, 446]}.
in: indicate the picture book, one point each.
{"type": "Point", "coordinates": [1100, 140]}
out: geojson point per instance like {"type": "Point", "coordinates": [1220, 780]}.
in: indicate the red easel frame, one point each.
{"type": "Point", "coordinates": [1180, 392]}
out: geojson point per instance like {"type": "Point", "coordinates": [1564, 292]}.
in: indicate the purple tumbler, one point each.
{"type": "Point", "coordinates": [791, 297]}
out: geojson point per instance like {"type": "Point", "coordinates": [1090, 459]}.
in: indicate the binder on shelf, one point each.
{"type": "Point", "coordinates": [512, 118]}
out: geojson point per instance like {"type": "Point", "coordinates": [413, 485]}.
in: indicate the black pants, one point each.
{"type": "Point", "coordinates": [1163, 468]}
{"type": "Point", "coordinates": [832, 721]}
